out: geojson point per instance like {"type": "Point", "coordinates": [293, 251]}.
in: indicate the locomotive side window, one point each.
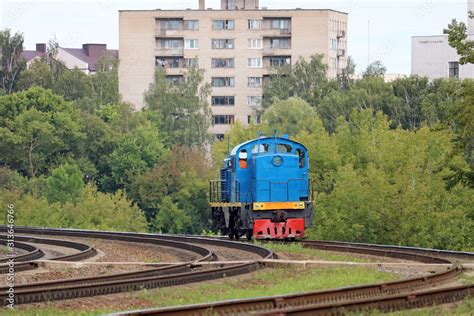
{"type": "Point", "coordinates": [262, 148]}
{"type": "Point", "coordinates": [301, 157]}
{"type": "Point", "coordinates": [243, 159]}
{"type": "Point", "coordinates": [283, 148]}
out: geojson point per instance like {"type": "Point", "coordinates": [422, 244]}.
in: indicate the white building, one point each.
{"type": "Point", "coordinates": [431, 56]}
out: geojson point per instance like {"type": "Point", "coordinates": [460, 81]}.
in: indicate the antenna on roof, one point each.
{"type": "Point", "coordinates": [228, 145]}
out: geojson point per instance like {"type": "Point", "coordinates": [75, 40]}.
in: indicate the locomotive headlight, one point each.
{"type": "Point", "coordinates": [277, 161]}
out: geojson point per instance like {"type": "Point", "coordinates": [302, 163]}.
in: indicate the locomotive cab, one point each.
{"type": "Point", "coordinates": [264, 190]}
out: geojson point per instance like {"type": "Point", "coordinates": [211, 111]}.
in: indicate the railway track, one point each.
{"type": "Point", "coordinates": [389, 296]}
{"type": "Point", "coordinates": [26, 261]}
{"type": "Point", "coordinates": [410, 293]}
{"type": "Point", "coordinates": [159, 277]}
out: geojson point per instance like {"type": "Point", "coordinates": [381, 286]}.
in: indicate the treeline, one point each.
{"type": "Point", "coordinates": [72, 154]}
{"type": "Point", "coordinates": [392, 163]}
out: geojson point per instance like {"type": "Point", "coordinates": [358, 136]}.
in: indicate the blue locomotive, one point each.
{"type": "Point", "coordinates": [264, 190]}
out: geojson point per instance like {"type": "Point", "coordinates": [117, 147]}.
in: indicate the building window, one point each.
{"type": "Point", "coordinates": [223, 100]}
{"type": "Point", "coordinates": [255, 43]}
{"type": "Point", "coordinates": [222, 119]}
{"type": "Point", "coordinates": [191, 44]}
{"type": "Point", "coordinates": [223, 24]}
{"type": "Point", "coordinates": [453, 69]}
{"type": "Point", "coordinates": [169, 62]}
{"type": "Point", "coordinates": [255, 62]}
{"type": "Point", "coordinates": [191, 24]}
{"type": "Point", "coordinates": [279, 61]}
{"type": "Point", "coordinates": [254, 101]}
{"type": "Point", "coordinates": [255, 24]}
{"type": "Point", "coordinates": [222, 44]}
{"type": "Point", "coordinates": [255, 82]}
{"type": "Point", "coordinates": [255, 118]}
{"type": "Point", "coordinates": [282, 24]}
{"type": "Point", "coordinates": [222, 63]}
{"type": "Point", "coordinates": [171, 43]}
{"type": "Point", "coordinates": [175, 79]}
{"type": "Point", "coordinates": [280, 43]}
{"type": "Point", "coordinates": [191, 62]}
{"type": "Point", "coordinates": [231, 5]}
{"type": "Point", "coordinates": [223, 81]}
{"type": "Point", "coordinates": [171, 24]}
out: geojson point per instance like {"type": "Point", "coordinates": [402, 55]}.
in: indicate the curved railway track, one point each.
{"type": "Point", "coordinates": [389, 296]}
{"type": "Point", "coordinates": [409, 293]}
{"type": "Point", "coordinates": [151, 278]}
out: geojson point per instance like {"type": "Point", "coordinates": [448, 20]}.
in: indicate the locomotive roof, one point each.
{"type": "Point", "coordinates": [236, 148]}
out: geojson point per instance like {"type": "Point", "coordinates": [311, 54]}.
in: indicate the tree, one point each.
{"type": "Point", "coordinates": [136, 153]}
{"type": "Point", "coordinates": [171, 219]}
{"type": "Point", "coordinates": [375, 69]}
{"type": "Point", "coordinates": [306, 80]}
{"type": "Point", "coordinates": [290, 116]}
{"type": "Point", "coordinates": [105, 81]}
{"type": "Point", "coordinates": [38, 74]}
{"type": "Point", "coordinates": [11, 61]}
{"type": "Point", "coordinates": [65, 184]}
{"type": "Point", "coordinates": [457, 37]}
{"type": "Point", "coordinates": [37, 129]}
{"type": "Point", "coordinates": [183, 176]}
{"type": "Point", "coordinates": [183, 106]}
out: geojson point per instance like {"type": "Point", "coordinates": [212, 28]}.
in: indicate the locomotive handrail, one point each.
{"type": "Point", "coordinates": [215, 190]}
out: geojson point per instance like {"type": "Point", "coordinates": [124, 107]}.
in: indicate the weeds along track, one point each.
{"type": "Point", "coordinates": [388, 296]}
{"type": "Point", "coordinates": [175, 274]}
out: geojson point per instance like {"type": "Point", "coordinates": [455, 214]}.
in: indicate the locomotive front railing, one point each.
{"type": "Point", "coordinates": [218, 190]}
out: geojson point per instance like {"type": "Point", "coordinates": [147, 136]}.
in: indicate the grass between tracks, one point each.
{"type": "Point", "coordinates": [314, 254]}
{"type": "Point", "coordinates": [266, 283]}
{"type": "Point", "coordinates": [261, 283]}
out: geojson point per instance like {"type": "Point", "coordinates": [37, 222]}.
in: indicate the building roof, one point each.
{"type": "Point", "coordinates": [91, 60]}
{"type": "Point", "coordinates": [89, 53]}
{"type": "Point", "coordinates": [30, 54]}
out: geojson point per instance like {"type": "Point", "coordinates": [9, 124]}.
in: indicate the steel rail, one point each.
{"type": "Point", "coordinates": [181, 274]}
{"type": "Point", "coordinates": [126, 236]}
{"type": "Point", "coordinates": [33, 252]}
{"type": "Point", "coordinates": [377, 251]}
{"type": "Point", "coordinates": [369, 293]}
{"type": "Point", "coordinates": [246, 306]}
{"type": "Point", "coordinates": [384, 304]}
{"type": "Point", "coordinates": [85, 251]}
{"type": "Point", "coordinates": [406, 249]}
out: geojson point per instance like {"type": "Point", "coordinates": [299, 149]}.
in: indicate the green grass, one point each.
{"type": "Point", "coordinates": [261, 283]}
{"type": "Point", "coordinates": [467, 279]}
{"type": "Point", "coordinates": [266, 283]}
{"type": "Point", "coordinates": [316, 254]}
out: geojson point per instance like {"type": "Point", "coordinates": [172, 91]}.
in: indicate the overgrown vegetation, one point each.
{"type": "Point", "coordinates": [392, 162]}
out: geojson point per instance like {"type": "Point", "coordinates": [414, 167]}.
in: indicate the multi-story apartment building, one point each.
{"type": "Point", "coordinates": [235, 45]}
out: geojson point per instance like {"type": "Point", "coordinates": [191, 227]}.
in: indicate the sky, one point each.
{"type": "Point", "coordinates": [388, 24]}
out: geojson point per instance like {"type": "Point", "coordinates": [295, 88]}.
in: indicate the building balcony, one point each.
{"type": "Point", "coordinates": [169, 51]}
{"type": "Point", "coordinates": [270, 32]}
{"type": "Point", "coordinates": [270, 51]}
{"type": "Point", "coordinates": [160, 32]}
{"type": "Point", "coordinates": [341, 33]}
{"type": "Point", "coordinates": [341, 52]}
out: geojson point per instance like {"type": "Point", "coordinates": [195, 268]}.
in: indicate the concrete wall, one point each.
{"type": "Point", "coordinates": [430, 56]}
